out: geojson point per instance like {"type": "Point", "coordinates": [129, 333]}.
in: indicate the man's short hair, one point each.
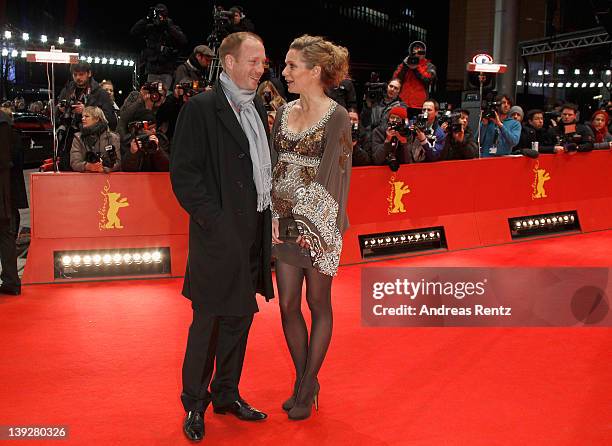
{"type": "Point", "coordinates": [80, 67]}
{"type": "Point", "coordinates": [508, 98]}
{"type": "Point", "coordinates": [531, 113]}
{"type": "Point", "coordinates": [231, 44]}
{"type": "Point", "coordinates": [570, 106]}
{"type": "Point", "coordinates": [434, 102]}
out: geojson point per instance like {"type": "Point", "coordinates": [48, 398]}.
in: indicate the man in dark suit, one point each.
{"type": "Point", "coordinates": [220, 172]}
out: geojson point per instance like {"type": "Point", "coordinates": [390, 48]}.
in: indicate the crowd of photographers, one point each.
{"type": "Point", "coordinates": [399, 121]}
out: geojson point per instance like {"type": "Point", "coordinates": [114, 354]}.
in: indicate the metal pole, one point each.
{"type": "Point", "coordinates": [505, 43]}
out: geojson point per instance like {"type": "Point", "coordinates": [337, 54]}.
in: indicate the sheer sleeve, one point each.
{"type": "Point", "coordinates": [320, 209]}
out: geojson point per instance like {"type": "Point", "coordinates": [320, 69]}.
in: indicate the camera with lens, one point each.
{"type": "Point", "coordinates": [569, 142]}
{"type": "Point", "coordinates": [191, 88]}
{"type": "Point", "coordinates": [400, 127]}
{"type": "Point", "coordinates": [453, 121]}
{"type": "Point", "coordinates": [551, 116]}
{"type": "Point", "coordinates": [139, 130]}
{"type": "Point", "coordinates": [355, 131]}
{"type": "Point", "coordinates": [420, 122]}
{"type": "Point", "coordinates": [155, 90]}
{"type": "Point", "coordinates": [490, 107]}
{"type": "Point", "coordinates": [107, 161]}
{"type": "Point", "coordinates": [267, 98]}
{"type": "Point", "coordinates": [156, 15]}
{"type": "Point", "coordinates": [375, 89]}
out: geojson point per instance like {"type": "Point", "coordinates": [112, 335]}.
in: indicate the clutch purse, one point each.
{"type": "Point", "coordinates": [288, 230]}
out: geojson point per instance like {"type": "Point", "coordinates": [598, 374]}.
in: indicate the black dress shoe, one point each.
{"type": "Point", "coordinates": [10, 289]}
{"type": "Point", "coordinates": [242, 410]}
{"type": "Point", "coordinates": [193, 426]}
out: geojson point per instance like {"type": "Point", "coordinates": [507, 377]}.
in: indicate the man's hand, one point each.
{"type": "Point", "coordinates": [94, 167]}
{"type": "Point", "coordinates": [391, 133]}
{"type": "Point", "coordinates": [420, 135]}
{"type": "Point", "coordinates": [559, 149]}
{"type": "Point", "coordinates": [134, 146]}
{"type": "Point", "coordinates": [444, 125]}
{"type": "Point", "coordinates": [497, 121]}
{"type": "Point", "coordinates": [78, 108]}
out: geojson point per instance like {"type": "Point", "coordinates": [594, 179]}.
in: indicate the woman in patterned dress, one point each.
{"type": "Point", "coordinates": [311, 138]}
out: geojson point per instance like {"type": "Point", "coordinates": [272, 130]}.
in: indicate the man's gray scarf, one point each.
{"type": "Point", "coordinates": [256, 134]}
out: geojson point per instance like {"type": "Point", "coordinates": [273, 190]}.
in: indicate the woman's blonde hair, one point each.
{"type": "Point", "coordinates": [333, 59]}
{"type": "Point", "coordinates": [96, 113]}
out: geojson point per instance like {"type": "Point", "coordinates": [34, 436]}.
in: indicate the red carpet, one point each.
{"type": "Point", "coordinates": [105, 359]}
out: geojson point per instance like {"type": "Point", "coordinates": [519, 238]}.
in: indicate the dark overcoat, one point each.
{"type": "Point", "coordinates": [212, 177]}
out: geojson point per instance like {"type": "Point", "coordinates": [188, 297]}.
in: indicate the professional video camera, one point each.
{"type": "Point", "coordinates": [191, 88]}
{"type": "Point", "coordinates": [375, 89]}
{"type": "Point", "coordinates": [107, 161]}
{"type": "Point", "coordinates": [155, 89]}
{"type": "Point", "coordinates": [453, 121]}
{"type": "Point", "coordinates": [490, 107]}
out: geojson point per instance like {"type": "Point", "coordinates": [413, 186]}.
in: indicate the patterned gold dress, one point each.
{"type": "Point", "coordinates": [310, 185]}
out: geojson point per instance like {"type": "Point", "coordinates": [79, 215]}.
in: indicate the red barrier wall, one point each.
{"type": "Point", "coordinates": [472, 200]}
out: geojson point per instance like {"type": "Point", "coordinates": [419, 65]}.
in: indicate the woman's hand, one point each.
{"type": "Point", "coordinates": [275, 232]}
{"type": "Point", "coordinates": [94, 167]}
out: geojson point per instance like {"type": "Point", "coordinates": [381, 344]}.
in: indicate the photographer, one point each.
{"type": "Point", "coordinates": [416, 74]}
{"type": "Point", "coordinates": [376, 111]}
{"type": "Point", "coordinates": [344, 94]}
{"type": "Point", "coordinates": [239, 22]}
{"type": "Point", "coordinates": [162, 38]}
{"type": "Point", "coordinates": [95, 148]}
{"type": "Point", "coordinates": [81, 91]}
{"type": "Point", "coordinates": [499, 132]}
{"type": "Point", "coordinates": [168, 112]}
{"type": "Point", "coordinates": [362, 145]}
{"type": "Point", "coordinates": [569, 136]}
{"type": "Point", "coordinates": [428, 133]}
{"type": "Point", "coordinates": [152, 96]}
{"type": "Point", "coordinates": [533, 131]}
{"type": "Point", "coordinates": [195, 67]}
{"type": "Point", "coordinates": [390, 143]}
{"type": "Point", "coordinates": [599, 126]}
{"type": "Point", "coordinates": [148, 150]}
{"type": "Point", "coordinates": [458, 144]}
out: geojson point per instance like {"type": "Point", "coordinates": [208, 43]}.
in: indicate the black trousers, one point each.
{"type": "Point", "coordinates": [8, 251]}
{"type": "Point", "coordinates": [218, 342]}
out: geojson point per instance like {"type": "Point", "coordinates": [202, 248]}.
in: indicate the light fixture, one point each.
{"type": "Point", "coordinates": [601, 84]}
{"type": "Point", "coordinates": [546, 72]}
{"type": "Point", "coordinates": [577, 71]}
{"type": "Point", "coordinates": [5, 52]}
{"type": "Point", "coordinates": [60, 40]}
{"type": "Point", "coordinates": [96, 60]}
{"type": "Point", "coordinates": [568, 84]}
{"type": "Point", "coordinates": [592, 84]}
{"type": "Point", "coordinates": [608, 72]}
{"type": "Point", "coordinates": [43, 38]}
{"type": "Point", "coordinates": [560, 71]}
{"type": "Point", "coordinates": [543, 224]}
{"type": "Point", "coordinates": [560, 84]}
{"type": "Point", "coordinates": [24, 54]}
{"type": "Point", "coordinates": [8, 34]}
{"type": "Point", "coordinates": [576, 84]}
{"type": "Point", "coordinates": [379, 245]}
{"type": "Point", "coordinates": [540, 72]}
{"type": "Point", "coordinates": [104, 60]}
{"type": "Point", "coordinates": [519, 83]}
{"type": "Point", "coordinates": [119, 61]}
{"type": "Point", "coordinates": [77, 42]}
{"type": "Point", "coordinates": [591, 72]}
{"type": "Point", "coordinates": [89, 59]}
{"type": "Point", "coordinates": [25, 37]}
{"type": "Point", "coordinates": [14, 53]}
{"type": "Point", "coordinates": [111, 61]}
{"type": "Point", "coordinates": [584, 84]}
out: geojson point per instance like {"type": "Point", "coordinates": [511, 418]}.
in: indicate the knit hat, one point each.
{"type": "Point", "coordinates": [399, 111]}
{"type": "Point", "coordinates": [516, 109]}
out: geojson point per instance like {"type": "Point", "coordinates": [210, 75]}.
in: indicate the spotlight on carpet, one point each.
{"type": "Point", "coordinates": [112, 263]}
{"type": "Point", "coordinates": [533, 225]}
{"type": "Point", "coordinates": [399, 242]}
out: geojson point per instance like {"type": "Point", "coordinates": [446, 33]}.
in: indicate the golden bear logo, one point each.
{"type": "Point", "coordinates": [398, 190]}
{"type": "Point", "coordinates": [109, 212]}
{"type": "Point", "coordinates": [541, 177]}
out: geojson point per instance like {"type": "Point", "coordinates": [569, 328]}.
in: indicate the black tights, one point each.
{"type": "Point", "coordinates": [307, 356]}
